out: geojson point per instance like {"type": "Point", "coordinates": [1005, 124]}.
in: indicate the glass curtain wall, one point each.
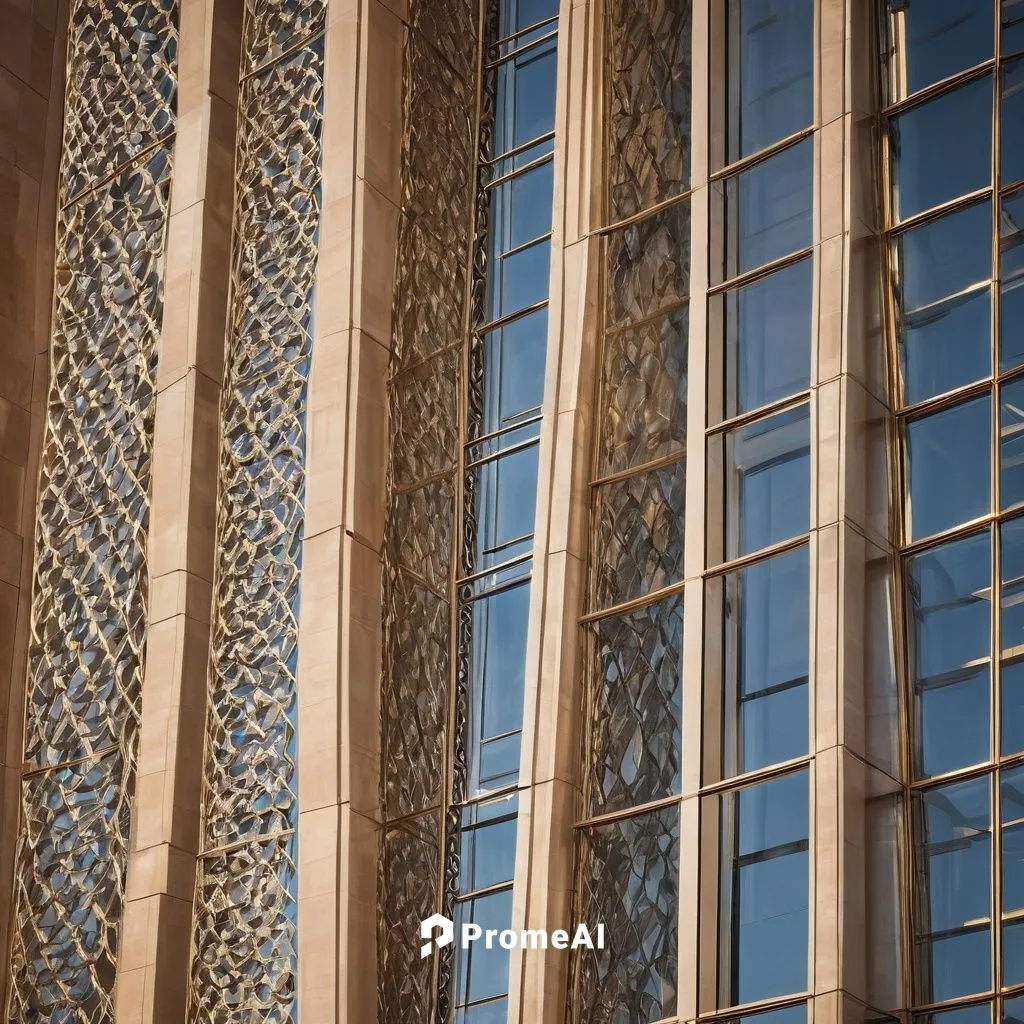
{"type": "Point", "coordinates": [244, 954]}
{"type": "Point", "coordinates": [628, 839]}
{"type": "Point", "coordinates": [757, 771]}
{"type": "Point", "coordinates": [505, 363]}
{"type": "Point", "coordinates": [955, 212]}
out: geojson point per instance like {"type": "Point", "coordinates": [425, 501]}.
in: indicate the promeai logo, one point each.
{"type": "Point", "coordinates": [440, 931]}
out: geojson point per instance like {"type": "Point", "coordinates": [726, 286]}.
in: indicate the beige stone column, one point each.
{"type": "Point", "coordinates": [153, 963]}
{"type": "Point", "coordinates": [339, 625]}
{"type": "Point", "coordinates": [32, 45]}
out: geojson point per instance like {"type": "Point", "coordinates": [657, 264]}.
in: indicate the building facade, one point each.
{"type": "Point", "coordinates": [529, 462]}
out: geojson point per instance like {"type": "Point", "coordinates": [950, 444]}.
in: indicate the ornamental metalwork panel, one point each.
{"type": "Point", "coordinates": [631, 882]}
{"type": "Point", "coordinates": [649, 50]}
{"type": "Point", "coordinates": [121, 86]}
{"type": "Point", "coordinates": [244, 946]}
{"type": "Point", "coordinates": [636, 714]}
{"type": "Point", "coordinates": [89, 598]}
{"type": "Point", "coordinates": [69, 891]}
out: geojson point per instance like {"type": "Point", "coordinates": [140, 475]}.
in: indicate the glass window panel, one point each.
{"type": "Point", "coordinates": [1013, 1011]}
{"type": "Point", "coordinates": [1012, 707]}
{"type": "Point", "coordinates": [499, 661]}
{"type": "Point", "coordinates": [514, 358]}
{"type": "Point", "coordinates": [493, 1012]}
{"type": "Point", "coordinates": [1012, 576]}
{"type": "Point", "coordinates": [1011, 273]}
{"type": "Point", "coordinates": [1012, 817]}
{"type": "Point", "coordinates": [518, 280]}
{"type": "Point", "coordinates": [1011, 142]}
{"type": "Point", "coordinates": [772, 89]}
{"type": "Point", "coordinates": [769, 209]}
{"type": "Point", "coordinates": [767, 639]}
{"type": "Point", "coordinates": [480, 972]}
{"type": "Point", "coordinates": [948, 459]}
{"type": "Point", "coordinates": [933, 39]}
{"type": "Point", "coordinates": [980, 1013]}
{"type": "Point", "coordinates": [1013, 953]}
{"type": "Point", "coordinates": [506, 490]}
{"type": "Point", "coordinates": [946, 345]}
{"type": "Point", "coordinates": [768, 339]}
{"type": "Point", "coordinates": [519, 14]}
{"type": "Point", "coordinates": [787, 1015]}
{"type": "Point", "coordinates": [927, 170]}
{"type": "Point", "coordinates": [948, 599]}
{"type": "Point", "coordinates": [1012, 39]}
{"type": "Point", "coordinates": [767, 485]}
{"type": "Point", "coordinates": [638, 547]}
{"type": "Point", "coordinates": [630, 881]}
{"type": "Point", "coordinates": [488, 841]}
{"type": "Point", "coordinates": [521, 209]}
{"type": "Point", "coordinates": [525, 107]}
{"type": "Point", "coordinates": [636, 720]}
{"type": "Point", "coordinates": [765, 838]}
{"type": "Point", "coordinates": [944, 257]}
{"type": "Point", "coordinates": [954, 891]}
{"type": "Point", "coordinates": [1011, 444]}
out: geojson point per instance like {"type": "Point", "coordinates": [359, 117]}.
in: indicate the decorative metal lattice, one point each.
{"type": "Point", "coordinates": [630, 883]}
{"type": "Point", "coordinates": [636, 714]}
{"type": "Point", "coordinates": [434, 247]}
{"type": "Point", "coordinates": [244, 961]}
{"type": "Point", "coordinates": [89, 597]}
{"type": "Point", "coordinates": [650, 103]}
{"type": "Point", "coordinates": [644, 393]}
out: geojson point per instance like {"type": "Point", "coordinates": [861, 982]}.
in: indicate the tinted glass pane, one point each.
{"type": "Point", "coordinates": [506, 490]}
{"type": "Point", "coordinates": [1012, 817]}
{"type": "Point", "coordinates": [1011, 444]}
{"type": "Point", "coordinates": [772, 93]}
{"type": "Point", "coordinates": [941, 37]}
{"type": "Point", "coordinates": [769, 209]}
{"type": "Point", "coordinates": [787, 1015]}
{"type": "Point", "coordinates": [940, 259]}
{"type": "Point", "coordinates": [1012, 707]}
{"type": "Point", "coordinates": [499, 659]}
{"type": "Point", "coordinates": [526, 98]}
{"type": "Point", "coordinates": [981, 1013]}
{"type": "Point", "coordinates": [927, 170]}
{"type": "Point", "coordinates": [493, 1012]}
{"type": "Point", "coordinates": [767, 641]}
{"type": "Point", "coordinates": [488, 841]}
{"type": "Point", "coordinates": [768, 338]}
{"type": "Point", "coordinates": [1013, 953]}
{"type": "Point", "coordinates": [482, 972]}
{"type": "Point", "coordinates": [514, 370]}
{"type": "Point", "coordinates": [1011, 631]}
{"type": "Point", "coordinates": [1011, 272]}
{"type": "Point", "coordinates": [519, 280]}
{"type": "Point", "coordinates": [946, 345]}
{"type": "Point", "coordinates": [519, 14]}
{"type": "Point", "coordinates": [765, 889]}
{"type": "Point", "coordinates": [950, 637]}
{"type": "Point", "coordinates": [1012, 38]}
{"type": "Point", "coordinates": [768, 481]}
{"type": "Point", "coordinates": [958, 438]}
{"type": "Point", "coordinates": [1013, 1011]}
{"type": "Point", "coordinates": [1011, 138]}
{"type": "Point", "coordinates": [521, 209]}
{"type": "Point", "coordinates": [954, 898]}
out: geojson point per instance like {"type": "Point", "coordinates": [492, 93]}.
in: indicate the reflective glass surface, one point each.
{"type": "Point", "coordinates": [787, 1015]}
{"type": "Point", "coordinates": [948, 457]}
{"type": "Point", "coordinates": [954, 894]}
{"type": "Point", "coordinates": [1011, 273]}
{"type": "Point", "coordinates": [514, 370]}
{"type": "Point", "coordinates": [768, 474]}
{"type": "Point", "coordinates": [488, 843]}
{"type": "Point", "coordinates": [1012, 38]}
{"type": "Point", "coordinates": [768, 338]}
{"type": "Point", "coordinates": [525, 107]}
{"type": "Point", "coordinates": [979, 1013]}
{"type": "Point", "coordinates": [769, 209]}
{"type": "Point", "coordinates": [1011, 631]}
{"type": "Point", "coordinates": [937, 38]}
{"type": "Point", "coordinates": [499, 660]}
{"type": "Point", "coordinates": [482, 973]}
{"type": "Point", "coordinates": [1011, 786]}
{"type": "Point", "coordinates": [767, 642]}
{"type": "Point", "coordinates": [1011, 444]}
{"type": "Point", "coordinates": [927, 170]}
{"type": "Point", "coordinates": [1012, 138]}
{"type": "Point", "coordinates": [948, 601]}
{"type": "Point", "coordinates": [765, 837]}
{"type": "Point", "coordinates": [771, 43]}
{"type": "Point", "coordinates": [517, 15]}
{"type": "Point", "coordinates": [506, 490]}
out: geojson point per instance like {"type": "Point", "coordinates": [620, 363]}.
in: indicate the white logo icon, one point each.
{"type": "Point", "coordinates": [441, 924]}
